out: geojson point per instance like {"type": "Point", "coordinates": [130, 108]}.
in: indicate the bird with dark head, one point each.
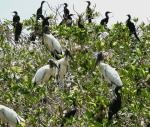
{"type": "Point", "coordinates": [106, 19]}
{"type": "Point", "coordinates": [115, 105]}
{"type": "Point", "coordinates": [70, 113]}
{"type": "Point", "coordinates": [131, 27]}
{"type": "Point", "coordinates": [39, 11]}
{"type": "Point", "coordinates": [89, 12]}
{"type": "Point", "coordinates": [66, 11]}
{"type": "Point", "coordinates": [80, 24]}
{"type": "Point", "coordinates": [18, 30]}
{"type": "Point", "coordinates": [45, 21]}
{"type": "Point", "coordinates": [110, 74]}
{"type": "Point", "coordinates": [16, 18]}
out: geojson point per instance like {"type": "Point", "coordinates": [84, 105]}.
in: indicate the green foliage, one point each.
{"type": "Point", "coordinates": [20, 62]}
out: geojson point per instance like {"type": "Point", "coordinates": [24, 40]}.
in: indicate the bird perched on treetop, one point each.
{"type": "Point", "coordinates": [16, 17]}
{"type": "Point", "coordinates": [66, 11]}
{"type": "Point", "coordinates": [11, 117]}
{"type": "Point", "coordinates": [105, 20]}
{"type": "Point", "coordinates": [110, 74]}
{"type": "Point", "coordinates": [45, 21]}
{"type": "Point", "coordinates": [89, 12]}
{"type": "Point", "coordinates": [39, 11]}
{"type": "Point", "coordinates": [115, 105]}
{"type": "Point", "coordinates": [18, 30]}
{"type": "Point", "coordinates": [131, 27]}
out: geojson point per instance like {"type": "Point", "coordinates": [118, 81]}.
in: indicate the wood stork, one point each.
{"type": "Point", "coordinates": [62, 64]}
{"type": "Point", "coordinates": [89, 12]}
{"type": "Point", "coordinates": [115, 105]}
{"type": "Point", "coordinates": [131, 27]}
{"type": "Point", "coordinates": [105, 20]}
{"type": "Point", "coordinates": [39, 11]}
{"type": "Point", "coordinates": [44, 73]}
{"type": "Point", "coordinates": [109, 73]}
{"type": "Point", "coordinates": [9, 116]}
{"type": "Point", "coordinates": [52, 43]}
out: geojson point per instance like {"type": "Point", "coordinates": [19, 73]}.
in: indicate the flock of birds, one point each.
{"type": "Point", "coordinates": [58, 68]}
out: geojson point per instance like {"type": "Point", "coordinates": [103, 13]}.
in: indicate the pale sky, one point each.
{"type": "Point", "coordinates": [119, 8]}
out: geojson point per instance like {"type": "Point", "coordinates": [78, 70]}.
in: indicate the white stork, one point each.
{"type": "Point", "coordinates": [11, 117]}
{"type": "Point", "coordinates": [110, 74]}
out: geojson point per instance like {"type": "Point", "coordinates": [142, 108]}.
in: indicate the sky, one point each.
{"type": "Point", "coordinates": [119, 8]}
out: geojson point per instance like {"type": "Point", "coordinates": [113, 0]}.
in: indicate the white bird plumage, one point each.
{"type": "Point", "coordinates": [44, 73]}
{"type": "Point", "coordinates": [10, 116]}
{"type": "Point", "coordinates": [52, 43]}
{"type": "Point", "coordinates": [110, 74]}
{"type": "Point", "coordinates": [62, 64]}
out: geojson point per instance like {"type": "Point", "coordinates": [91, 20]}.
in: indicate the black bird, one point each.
{"type": "Point", "coordinates": [80, 25]}
{"type": "Point", "coordinates": [115, 105]}
{"type": "Point", "coordinates": [69, 20]}
{"type": "Point", "coordinates": [16, 17]}
{"type": "Point", "coordinates": [70, 113]}
{"type": "Point", "coordinates": [131, 27]}
{"type": "Point", "coordinates": [39, 11]}
{"type": "Point", "coordinates": [45, 21]}
{"type": "Point", "coordinates": [66, 11]}
{"type": "Point", "coordinates": [105, 20]}
{"type": "Point", "coordinates": [89, 12]}
{"type": "Point", "coordinates": [18, 29]}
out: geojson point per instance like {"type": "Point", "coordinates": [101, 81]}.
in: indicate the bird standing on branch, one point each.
{"type": "Point", "coordinates": [115, 105]}
{"type": "Point", "coordinates": [110, 74]}
{"type": "Point", "coordinates": [105, 20]}
{"type": "Point", "coordinates": [89, 12]}
{"type": "Point", "coordinates": [39, 11]}
{"type": "Point", "coordinates": [131, 27]}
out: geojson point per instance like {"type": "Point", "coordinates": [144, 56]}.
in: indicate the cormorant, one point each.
{"type": "Point", "coordinates": [115, 105]}
{"type": "Point", "coordinates": [66, 11]}
{"type": "Point", "coordinates": [39, 11]}
{"type": "Point", "coordinates": [70, 113]}
{"type": "Point", "coordinates": [89, 12]}
{"type": "Point", "coordinates": [80, 25]}
{"type": "Point", "coordinates": [105, 20]}
{"type": "Point", "coordinates": [16, 17]}
{"type": "Point", "coordinates": [18, 29]}
{"type": "Point", "coordinates": [131, 27]}
{"type": "Point", "coordinates": [45, 21]}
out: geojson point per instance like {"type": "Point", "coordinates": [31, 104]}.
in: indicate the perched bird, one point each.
{"type": "Point", "coordinates": [109, 73]}
{"type": "Point", "coordinates": [66, 11]}
{"type": "Point", "coordinates": [44, 73]}
{"type": "Point", "coordinates": [115, 105]}
{"type": "Point", "coordinates": [11, 117]}
{"type": "Point", "coordinates": [80, 25]}
{"type": "Point", "coordinates": [89, 12]}
{"type": "Point", "coordinates": [45, 21]}
{"type": "Point", "coordinates": [62, 64]}
{"type": "Point", "coordinates": [16, 18]}
{"type": "Point", "coordinates": [69, 113]}
{"type": "Point", "coordinates": [52, 43]}
{"type": "Point", "coordinates": [69, 20]}
{"type": "Point", "coordinates": [18, 30]}
{"type": "Point", "coordinates": [105, 20]}
{"type": "Point", "coordinates": [131, 27]}
{"type": "Point", "coordinates": [39, 11]}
